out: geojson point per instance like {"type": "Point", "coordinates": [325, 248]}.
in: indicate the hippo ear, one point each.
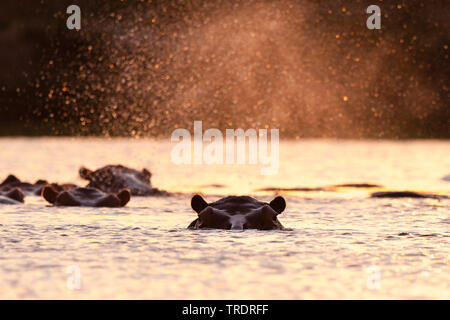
{"type": "Point", "coordinates": [278, 204]}
{"type": "Point", "coordinates": [85, 173]}
{"type": "Point", "coordinates": [146, 173]}
{"type": "Point", "coordinates": [49, 194]}
{"type": "Point", "coordinates": [10, 179]}
{"type": "Point", "coordinates": [124, 196]}
{"type": "Point", "coordinates": [198, 203]}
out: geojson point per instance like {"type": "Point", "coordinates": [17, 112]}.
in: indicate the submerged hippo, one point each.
{"type": "Point", "coordinates": [406, 194]}
{"type": "Point", "coordinates": [237, 213]}
{"type": "Point", "coordinates": [13, 196]}
{"type": "Point", "coordinates": [12, 182]}
{"type": "Point", "coordinates": [117, 177]}
{"type": "Point", "coordinates": [86, 197]}
{"type": "Point", "coordinates": [31, 189]}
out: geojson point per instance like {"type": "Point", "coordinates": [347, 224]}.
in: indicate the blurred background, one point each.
{"type": "Point", "coordinates": [144, 68]}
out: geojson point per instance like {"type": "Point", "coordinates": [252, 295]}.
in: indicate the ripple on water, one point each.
{"type": "Point", "coordinates": [144, 250]}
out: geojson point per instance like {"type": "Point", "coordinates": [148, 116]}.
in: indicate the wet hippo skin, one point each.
{"type": "Point", "coordinates": [13, 196]}
{"type": "Point", "coordinates": [114, 178]}
{"type": "Point", "coordinates": [12, 182]}
{"type": "Point", "coordinates": [86, 197]}
{"type": "Point", "coordinates": [31, 189]}
{"type": "Point", "coordinates": [237, 213]}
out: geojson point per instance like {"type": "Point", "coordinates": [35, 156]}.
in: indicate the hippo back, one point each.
{"type": "Point", "coordinates": [114, 178]}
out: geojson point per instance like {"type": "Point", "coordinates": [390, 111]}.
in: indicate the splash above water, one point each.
{"type": "Point", "coordinates": [310, 69]}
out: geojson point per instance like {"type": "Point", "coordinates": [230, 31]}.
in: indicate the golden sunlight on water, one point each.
{"type": "Point", "coordinates": [341, 244]}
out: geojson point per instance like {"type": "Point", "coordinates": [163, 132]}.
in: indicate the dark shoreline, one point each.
{"type": "Point", "coordinates": [14, 130]}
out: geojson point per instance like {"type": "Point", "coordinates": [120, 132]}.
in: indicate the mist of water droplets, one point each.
{"type": "Point", "coordinates": [311, 69]}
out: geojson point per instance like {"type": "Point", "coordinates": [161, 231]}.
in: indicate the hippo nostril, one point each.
{"type": "Point", "coordinates": [237, 226]}
{"type": "Point", "coordinates": [237, 222]}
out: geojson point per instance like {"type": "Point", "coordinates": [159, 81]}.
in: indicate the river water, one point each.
{"type": "Point", "coordinates": [341, 244]}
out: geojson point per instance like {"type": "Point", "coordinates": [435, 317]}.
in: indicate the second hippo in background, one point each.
{"type": "Point", "coordinates": [30, 189]}
{"type": "Point", "coordinates": [86, 197]}
{"type": "Point", "coordinates": [114, 178]}
{"type": "Point", "coordinates": [407, 194]}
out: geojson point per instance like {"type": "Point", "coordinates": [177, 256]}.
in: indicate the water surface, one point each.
{"type": "Point", "coordinates": [339, 244]}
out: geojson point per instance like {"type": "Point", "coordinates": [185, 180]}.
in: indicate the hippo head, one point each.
{"type": "Point", "coordinates": [87, 197]}
{"type": "Point", "coordinates": [114, 178]}
{"type": "Point", "coordinates": [237, 213]}
{"type": "Point", "coordinates": [12, 182]}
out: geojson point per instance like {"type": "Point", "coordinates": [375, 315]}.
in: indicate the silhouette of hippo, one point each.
{"type": "Point", "coordinates": [357, 185]}
{"type": "Point", "coordinates": [85, 197]}
{"type": "Point", "coordinates": [31, 189]}
{"type": "Point", "coordinates": [13, 196]}
{"type": "Point", "coordinates": [12, 182]}
{"type": "Point", "coordinates": [114, 178]}
{"type": "Point", "coordinates": [325, 188]}
{"type": "Point", "coordinates": [237, 213]}
{"type": "Point", "coordinates": [406, 194]}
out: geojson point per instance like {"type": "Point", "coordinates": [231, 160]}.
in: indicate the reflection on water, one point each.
{"type": "Point", "coordinates": [342, 243]}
